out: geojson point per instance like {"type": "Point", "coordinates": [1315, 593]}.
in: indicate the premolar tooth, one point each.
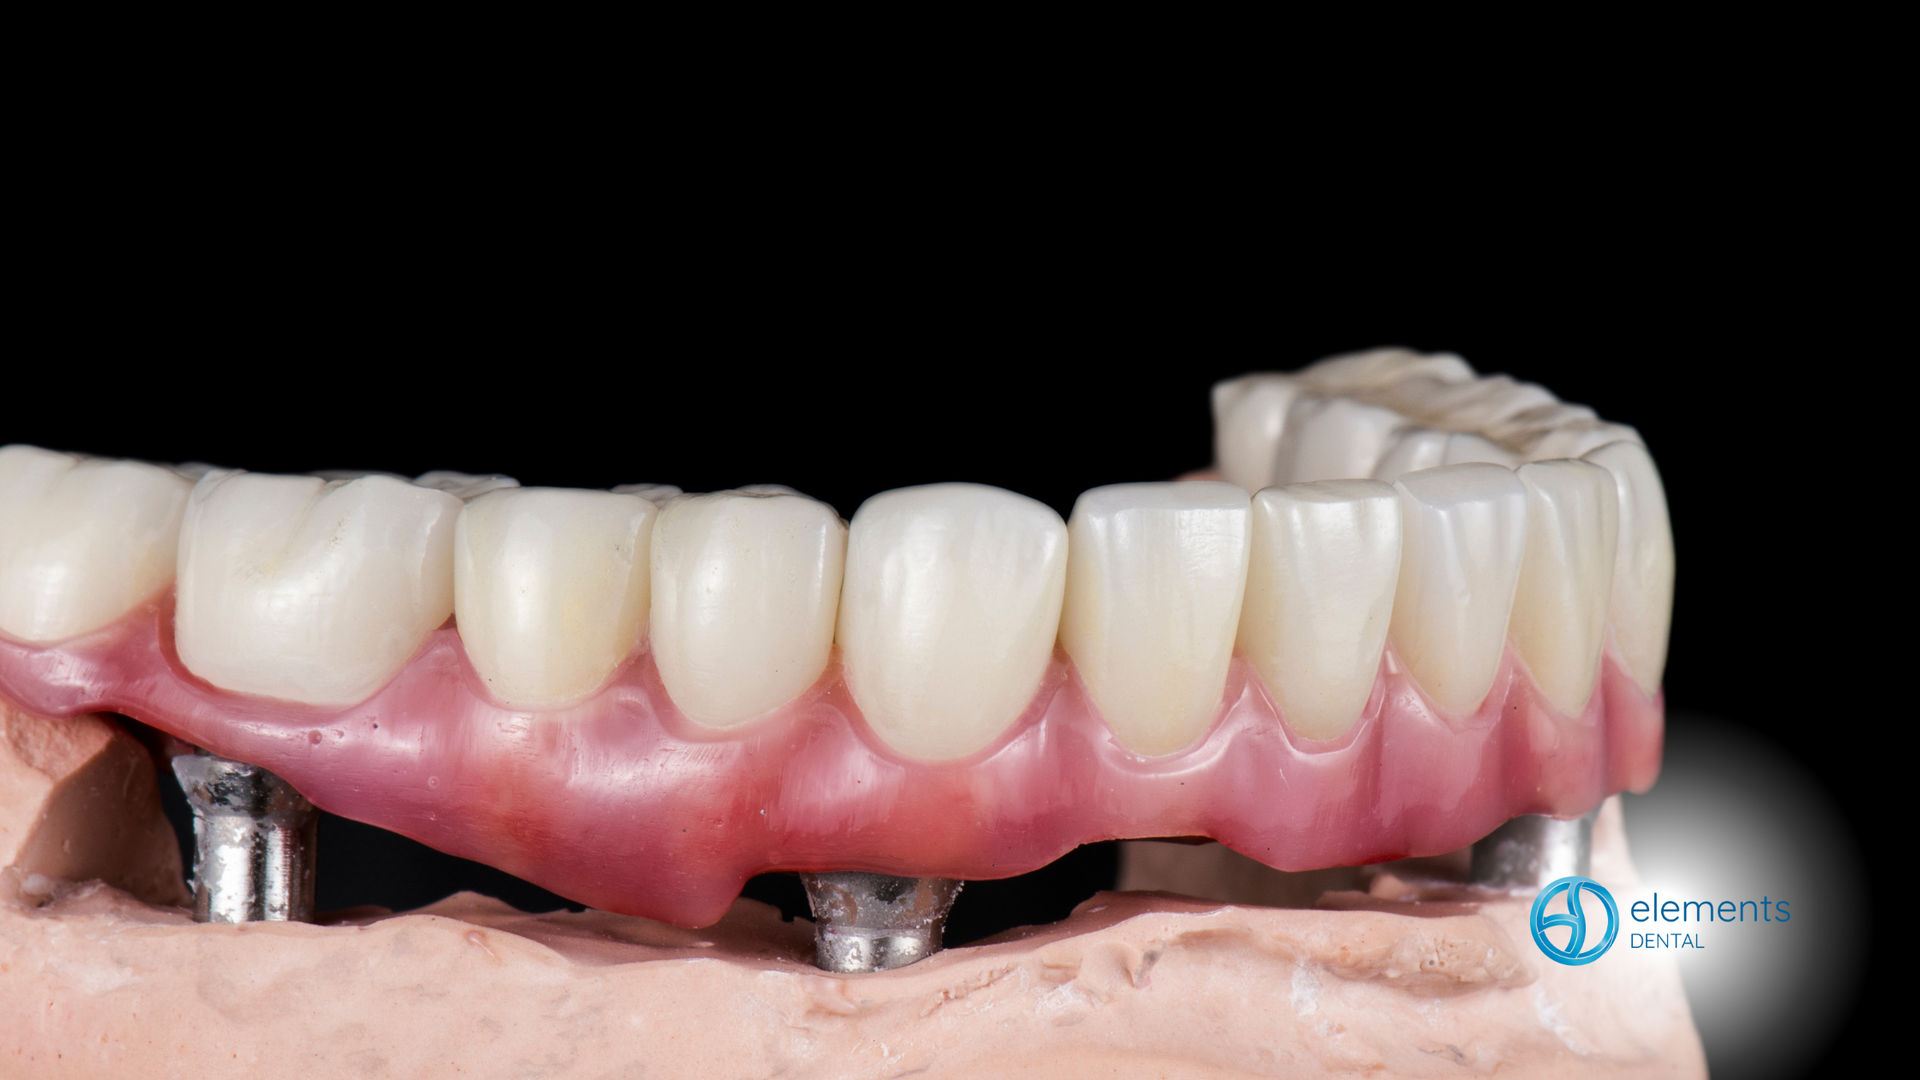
{"type": "Point", "coordinates": [1320, 590]}
{"type": "Point", "coordinates": [1560, 606]}
{"type": "Point", "coordinates": [1421, 448]}
{"type": "Point", "coordinates": [1575, 438]}
{"type": "Point", "coordinates": [1383, 367]}
{"type": "Point", "coordinates": [1333, 438]}
{"type": "Point", "coordinates": [949, 612]}
{"type": "Point", "coordinates": [1248, 415]}
{"type": "Point", "coordinates": [657, 494]}
{"type": "Point", "coordinates": [1641, 608]}
{"type": "Point", "coordinates": [82, 540]}
{"type": "Point", "coordinates": [464, 486]}
{"type": "Point", "coordinates": [745, 590]}
{"type": "Point", "coordinates": [1465, 529]}
{"type": "Point", "coordinates": [299, 588]}
{"type": "Point", "coordinates": [551, 588]}
{"type": "Point", "coordinates": [1155, 577]}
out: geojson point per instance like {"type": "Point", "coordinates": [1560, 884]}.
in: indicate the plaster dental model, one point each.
{"type": "Point", "coordinates": [1444, 606]}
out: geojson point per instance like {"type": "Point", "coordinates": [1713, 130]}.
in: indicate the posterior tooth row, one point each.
{"type": "Point", "coordinates": [946, 601]}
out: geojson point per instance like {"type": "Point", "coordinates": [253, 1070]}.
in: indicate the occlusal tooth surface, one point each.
{"type": "Point", "coordinates": [1560, 606]}
{"type": "Point", "coordinates": [299, 588]}
{"type": "Point", "coordinates": [1155, 578]}
{"type": "Point", "coordinates": [1320, 588]}
{"type": "Point", "coordinates": [746, 588]}
{"type": "Point", "coordinates": [948, 613]}
{"type": "Point", "coordinates": [464, 486]}
{"type": "Point", "coordinates": [1422, 448]}
{"type": "Point", "coordinates": [1375, 368]}
{"type": "Point", "coordinates": [551, 589]}
{"type": "Point", "coordinates": [82, 540]}
{"type": "Point", "coordinates": [1333, 438]}
{"type": "Point", "coordinates": [1465, 529]}
{"type": "Point", "coordinates": [1641, 606]}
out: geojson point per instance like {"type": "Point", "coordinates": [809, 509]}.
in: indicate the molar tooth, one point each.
{"type": "Point", "coordinates": [82, 540]}
{"type": "Point", "coordinates": [299, 588]}
{"type": "Point", "coordinates": [745, 590]}
{"type": "Point", "coordinates": [1475, 405]}
{"type": "Point", "coordinates": [949, 612]}
{"type": "Point", "coordinates": [1320, 588]}
{"type": "Point", "coordinates": [1155, 577]}
{"type": "Point", "coordinates": [1566, 576]}
{"type": "Point", "coordinates": [551, 588]}
{"type": "Point", "coordinates": [1248, 415]}
{"type": "Point", "coordinates": [1641, 608]}
{"type": "Point", "coordinates": [1465, 529]}
{"type": "Point", "coordinates": [1333, 438]}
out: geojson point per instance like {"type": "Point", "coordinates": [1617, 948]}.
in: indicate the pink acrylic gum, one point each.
{"type": "Point", "coordinates": [621, 803]}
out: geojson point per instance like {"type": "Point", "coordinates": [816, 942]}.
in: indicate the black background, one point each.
{"type": "Point", "coordinates": [1742, 347]}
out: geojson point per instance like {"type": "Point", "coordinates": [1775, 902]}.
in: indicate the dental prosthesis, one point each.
{"type": "Point", "coordinates": [1408, 604]}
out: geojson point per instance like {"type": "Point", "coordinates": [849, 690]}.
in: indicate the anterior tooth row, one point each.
{"type": "Point", "coordinates": [947, 600]}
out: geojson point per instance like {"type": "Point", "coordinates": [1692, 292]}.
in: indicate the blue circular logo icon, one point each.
{"type": "Point", "coordinates": [1575, 920]}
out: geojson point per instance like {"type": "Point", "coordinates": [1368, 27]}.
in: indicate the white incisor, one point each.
{"type": "Point", "coordinates": [746, 588]}
{"type": "Point", "coordinates": [948, 613]}
{"type": "Point", "coordinates": [551, 589]}
{"type": "Point", "coordinates": [310, 590]}
{"type": "Point", "coordinates": [1320, 586]}
{"type": "Point", "coordinates": [82, 540]}
{"type": "Point", "coordinates": [1464, 531]}
{"type": "Point", "coordinates": [1155, 577]}
{"type": "Point", "coordinates": [1566, 577]}
{"type": "Point", "coordinates": [1641, 608]}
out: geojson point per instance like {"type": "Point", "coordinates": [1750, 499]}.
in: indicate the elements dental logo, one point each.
{"type": "Point", "coordinates": [1575, 920]}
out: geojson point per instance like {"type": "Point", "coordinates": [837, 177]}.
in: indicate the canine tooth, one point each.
{"type": "Point", "coordinates": [82, 540]}
{"type": "Point", "coordinates": [1333, 438]}
{"type": "Point", "coordinates": [1465, 529]}
{"type": "Point", "coordinates": [299, 588]}
{"type": "Point", "coordinates": [1320, 588]}
{"type": "Point", "coordinates": [464, 486]}
{"type": "Point", "coordinates": [1381, 367]}
{"type": "Point", "coordinates": [657, 494]}
{"type": "Point", "coordinates": [551, 588]}
{"type": "Point", "coordinates": [949, 612]}
{"type": "Point", "coordinates": [1566, 576]}
{"type": "Point", "coordinates": [1641, 608]}
{"type": "Point", "coordinates": [1155, 577]}
{"type": "Point", "coordinates": [1248, 415]}
{"type": "Point", "coordinates": [745, 590]}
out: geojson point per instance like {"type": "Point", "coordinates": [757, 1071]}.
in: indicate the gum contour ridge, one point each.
{"type": "Point", "coordinates": [1446, 604]}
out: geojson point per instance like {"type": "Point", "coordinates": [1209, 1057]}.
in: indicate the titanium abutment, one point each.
{"type": "Point", "coordinates": [1533, 851]}
{"type": "Point", "coordinates": [253, 840]}
{"type": "Point", "coordinates": [876, 922]}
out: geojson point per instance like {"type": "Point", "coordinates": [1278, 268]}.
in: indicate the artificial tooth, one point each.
{"type": "Point", "coordinates": [1248, 415]}
{"type": "Point", "coordinates": [464, 486]}
{"type": "Point", "coordinates": [1566, 577]}
{"type": "Point", "coordinates": [1474, 405]}
{"type": "Point", "coordinates": [1575, 438]}
{"type": "Point", "coordinates": [1641, 608]}
{"type": "Point", "coordinates": [948, 613]}
{"type": "Point", "coordinates": [657, 494]}
{"type": "Point", "coordinates": [1333, 438]}
{"type": "Point", "coordinates": [551, 589]}
{"type": "Point", "coordinates": [1422, 448]}
{"type": "Point", "coordinates": [1464, 531]}
{"type": "Point", "coordinates": [82, 540]}
{"type": "Point", "coordinates": [746, 586]}
{"type": "Point", "coordinates": [1528, 424]}
{"type": "Point", "coordinates": [1381, 367]}
{"type": "Point", "coordinates": [311, 590]}
{"type": "Point", "coordinates": [1155, 577]}
{"type": "Point", "coordinates": [1320, 588]}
